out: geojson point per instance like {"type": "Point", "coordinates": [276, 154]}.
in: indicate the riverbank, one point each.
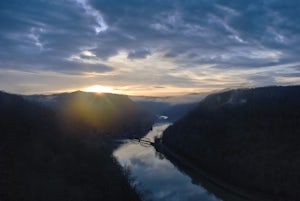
{"type": "Point", "coordinates": [241, 194]}
{"type": "Point", "coordinates": [156, 177]}
{"type": "Point", "coordinates": [246, 137]}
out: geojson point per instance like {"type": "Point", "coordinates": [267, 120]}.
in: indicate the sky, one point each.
{"type": "Point", "coordinates": [143, 47]}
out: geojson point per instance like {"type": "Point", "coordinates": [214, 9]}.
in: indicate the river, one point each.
{"type": "Point", "coordinates": [158, 179]}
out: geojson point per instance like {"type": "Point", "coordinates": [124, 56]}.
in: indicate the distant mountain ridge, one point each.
{"type": "Point", "coordinates": [171, 107]}
{"type": "Point", "coordinates": [247, 137]}
{"type": "Point", "coordinates": [101, 112]}
{"type": "Point", "coordinates": [173, 100]}
{"type": "Point", "coordinates": [172, 112]}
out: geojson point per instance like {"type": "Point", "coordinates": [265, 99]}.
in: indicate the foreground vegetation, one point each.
{"type": "Point", "coordinates": [44, 156]}
{"type": "Point", "coordinates": [249, 138]}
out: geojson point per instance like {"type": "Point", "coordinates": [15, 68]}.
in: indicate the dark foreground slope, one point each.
{"type": "Point", "coordinates": [43, 156]}
{"type": "Point", "coordinates": [249, 138]}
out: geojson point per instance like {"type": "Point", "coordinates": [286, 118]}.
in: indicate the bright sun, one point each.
{"type": "Point", "coordinates": [100, 89]}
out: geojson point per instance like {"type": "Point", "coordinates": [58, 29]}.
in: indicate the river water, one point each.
{"type": "Point", "coordinates": [156, 177]}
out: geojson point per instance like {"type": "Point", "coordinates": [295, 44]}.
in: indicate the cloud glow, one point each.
{"type": "Point", "coordinates": [100, 89]}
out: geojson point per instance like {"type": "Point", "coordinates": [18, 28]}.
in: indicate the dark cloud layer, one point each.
{"type": "Point", "coordinates": [47, 35]}
{"type": "Point", "coordinates": [226, 33]}
{"type": "Point", "coordinates": [43, 35]}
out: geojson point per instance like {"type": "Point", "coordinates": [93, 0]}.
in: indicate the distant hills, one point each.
{"type": "Point", "coordinates": [171, 112]}
{"type": "Point", "coordinates": [105, 113]}
{"type": "Point", "coordinates": [246, 137]}
{"type": "Point", "coordinates": [59, 147]}
{"type": "Point", "coordinates": [173, 100]}
{"type": "Point", "coordinates": [171, 107]}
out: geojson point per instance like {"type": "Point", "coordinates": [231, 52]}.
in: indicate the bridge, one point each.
{"type": "Point", "coordinates": [143, 141]}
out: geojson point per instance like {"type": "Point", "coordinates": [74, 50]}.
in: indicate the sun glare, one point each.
{"type": "Point", "coordinates": [100, 89]}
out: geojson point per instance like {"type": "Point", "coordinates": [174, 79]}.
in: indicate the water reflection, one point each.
{"type": "Point", "coordinates": [157, 177]}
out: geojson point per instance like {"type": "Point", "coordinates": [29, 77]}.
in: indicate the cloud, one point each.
{"type": "Point", "coordinates": [101, 25]}
{"type": "Point", "coordinates": [229, 34]}
{"type": "Point", "coordinates": [42, 35]}
{"type": "Point", "coordinates": [207, 38]}
{"type": "Point", "coordinates": [138, 54]}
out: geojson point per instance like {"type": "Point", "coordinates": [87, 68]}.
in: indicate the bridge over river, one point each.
{"type": "Point", "coordinates": [142, 141]}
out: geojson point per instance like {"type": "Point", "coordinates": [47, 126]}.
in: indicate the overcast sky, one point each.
{"type": "Point", "coordinates": [148, 47]}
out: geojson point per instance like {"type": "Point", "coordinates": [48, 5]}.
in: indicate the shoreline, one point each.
{"type": "Point", "coordinates": [245, 194]}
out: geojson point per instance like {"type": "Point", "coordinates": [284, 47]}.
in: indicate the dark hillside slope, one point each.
{"type": "Point", "coordinates": [41, 159]}
{"type": "Point", "coordinates": [105, 114]}
{"type": "Point", "coordinates": [250, 138]}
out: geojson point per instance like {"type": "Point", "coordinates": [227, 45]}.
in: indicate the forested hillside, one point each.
{"type": "Point", "coordinates": [248, 137]}
{"type": "Point", "coordinates": [65, 153]}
